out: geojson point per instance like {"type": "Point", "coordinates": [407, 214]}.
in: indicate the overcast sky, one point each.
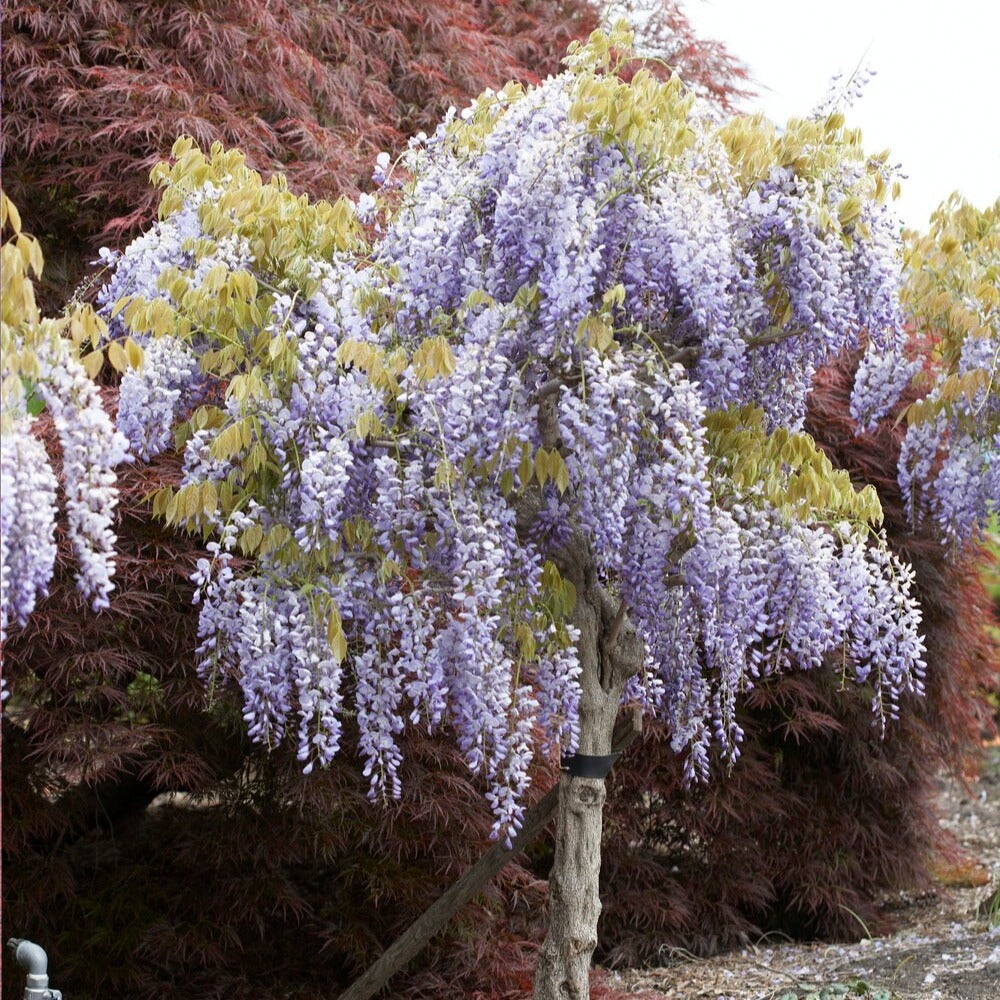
{"type": "Point", "coordinates": [935, 98]}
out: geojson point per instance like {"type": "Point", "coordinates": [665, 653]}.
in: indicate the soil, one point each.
{"type": "Point", "coordinates": [947, 946]}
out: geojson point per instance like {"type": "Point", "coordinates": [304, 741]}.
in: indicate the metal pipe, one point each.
{"type": "Point", "coordinates": [32, 958]}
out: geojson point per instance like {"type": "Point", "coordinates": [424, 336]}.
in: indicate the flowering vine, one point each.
{"type": "Point", "coordinates": [42, 370]}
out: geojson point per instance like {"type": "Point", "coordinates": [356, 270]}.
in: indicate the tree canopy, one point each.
{"type": "Point", "coordinates": [589, 328]}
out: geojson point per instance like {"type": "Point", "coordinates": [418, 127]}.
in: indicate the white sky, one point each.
{"type": "Point", "coordinates": [935, 99]}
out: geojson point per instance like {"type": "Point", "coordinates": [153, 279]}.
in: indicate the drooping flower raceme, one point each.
{"type": "Point", "coordinates": [573, 332]}
{"type": "Point", "coordinates": [949, 467]}
{"type": "Point", "coordinates": [91, 449]}
{"type": "Point", "coordinates": [878, 385]}
{"type": "Point", "coordinates": [42, 371]}
{"type": "Point", "coordinates": [27, 524]}
{"type": "Point", "coordinates": [967, 484]}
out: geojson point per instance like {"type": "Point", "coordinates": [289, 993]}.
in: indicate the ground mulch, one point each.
{"type": "Point", "coordinates": [946, 947]}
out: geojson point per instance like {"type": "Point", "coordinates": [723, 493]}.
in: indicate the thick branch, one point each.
{"type": "Point", "coordinates": [609, 639]}
{"type": "Point", "coordinates": [621, 649]}
{"type": "Point", "coordinates": [776, 337]}
{"type": "Point", "coordinates": [550, 388]}
{"type": "Point", "coordinates": [691, 352]}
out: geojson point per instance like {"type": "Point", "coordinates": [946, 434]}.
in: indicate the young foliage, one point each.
{"type": "Point", "coordinates": [664, 38]}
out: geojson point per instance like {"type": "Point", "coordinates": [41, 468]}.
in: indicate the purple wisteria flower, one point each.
{"type": "Point", "coordinates": [91, 450]}
{"type": "Point", "coordinates": [949, 466]}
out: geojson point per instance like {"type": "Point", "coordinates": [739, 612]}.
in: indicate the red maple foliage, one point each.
{"type": "Point", "coordinates": [96, 91]}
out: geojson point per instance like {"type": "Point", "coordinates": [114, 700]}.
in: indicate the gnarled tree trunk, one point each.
{"type": "Point", "coordinates": [610, 653]}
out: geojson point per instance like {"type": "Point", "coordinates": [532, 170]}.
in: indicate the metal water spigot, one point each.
{"type": "Point", "coordinates": [32, 958]}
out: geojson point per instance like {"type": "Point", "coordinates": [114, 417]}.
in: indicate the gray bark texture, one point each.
{"type": "Point", "coordinates": [610, 653]}
{"type": "Point", "coordinates": [574, 905]}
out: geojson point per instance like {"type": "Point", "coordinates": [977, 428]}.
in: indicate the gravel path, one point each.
{"type": "Point", "coordinates": [945, 948]}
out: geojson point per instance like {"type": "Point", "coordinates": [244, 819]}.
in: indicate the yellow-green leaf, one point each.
{"type": "Point", "coordinates": [93, 363]}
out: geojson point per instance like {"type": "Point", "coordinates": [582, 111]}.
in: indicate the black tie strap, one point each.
{"type": "Point", "coordinates": [583, 765]}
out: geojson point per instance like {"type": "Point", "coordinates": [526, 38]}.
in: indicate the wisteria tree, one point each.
{"type": "Point", "coordinates": [528, 445]}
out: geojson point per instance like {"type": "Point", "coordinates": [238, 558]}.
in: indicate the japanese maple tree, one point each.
{"type": "Point", "coordinates": [96, 91]}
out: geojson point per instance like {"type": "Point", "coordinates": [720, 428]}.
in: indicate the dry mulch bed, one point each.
{"type": "Point", "coordinates": [947, 946]}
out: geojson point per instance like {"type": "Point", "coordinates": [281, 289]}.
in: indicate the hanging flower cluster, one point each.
{"type": "Point", "coordinates": [42, 371]}
{"type": "Point", "coordinates": [591, 322]}
{"type": "Point", "coordinates": [950, 464]}
{"type": "Point", "coordinates": [27, 528]}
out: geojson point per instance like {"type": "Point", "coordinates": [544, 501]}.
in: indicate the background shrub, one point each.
{"type": "Point", "coordinates": [819, 815]}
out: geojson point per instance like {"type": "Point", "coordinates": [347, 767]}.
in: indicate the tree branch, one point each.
{"type": "Point", "coordinates": [616, 625]}
{"type": "Point", "coordinates": [691, 352]}
{"type": "Point", "coordinates": [549, 388]}
{"type": "Point", "coordinates": [775, 337]}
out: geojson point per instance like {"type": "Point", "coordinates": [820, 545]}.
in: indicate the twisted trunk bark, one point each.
{"type": "Point", "coordinates": [610, 653]}
{"type": "Point", "coordinates": [563, 971]}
